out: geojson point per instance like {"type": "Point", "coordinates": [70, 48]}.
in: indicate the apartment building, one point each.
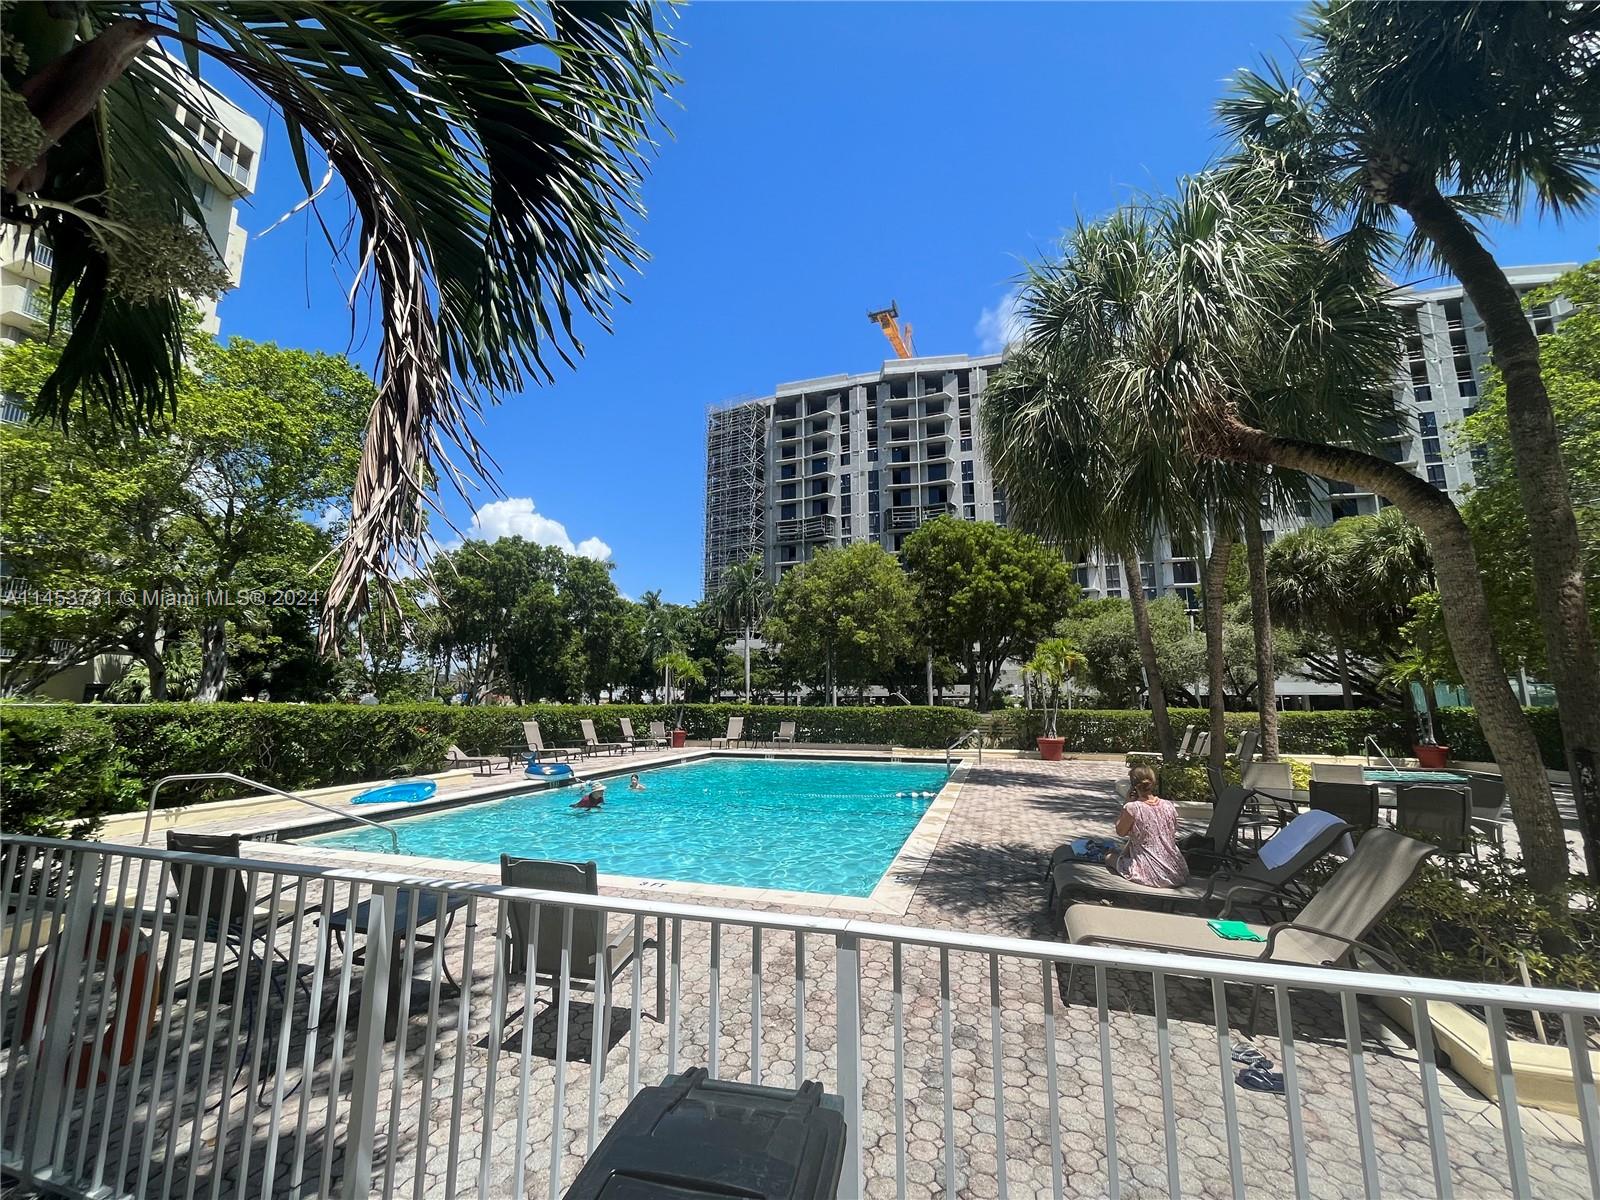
{"type": "Point", "coordinates": [225, 175]}
{"type": "Point", "coordinates": [846, 458]}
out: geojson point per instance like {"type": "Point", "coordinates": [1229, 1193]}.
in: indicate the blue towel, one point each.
{"type": "Point", "coordinates": [1087, 849]}
{"type": "Point", "coordinates": [1292, 838]}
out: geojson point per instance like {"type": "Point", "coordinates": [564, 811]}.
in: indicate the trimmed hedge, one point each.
{"type": "Point", "coordinates": [1459, 729]}
{"type": "Point", "coordinates": [1108, 731]}
{"type": "Point", "coordinates": [61, 771]}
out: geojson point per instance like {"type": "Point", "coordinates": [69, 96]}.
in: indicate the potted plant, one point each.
{"type": "Point", "coordinates": [1055, 662]}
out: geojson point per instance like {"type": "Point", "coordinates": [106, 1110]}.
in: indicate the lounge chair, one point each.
{"type": "Point", "coordinates": [1260, 878]}
{"type": "Point", "coordinates": [595, 951]}
{"type": "Point", "coordinates": [593, 745]}
{"type": "Point", "coordinates": [1356, 804]}
{"type": "Point", "coordinates": [1439, 814]}
{"type": "Point", "coordinates": [1201, 747]}
{"type": "Point", "coordinates": [1488, 808]}
{"type": "Point", "coordinates": [1246, 750]}
{"type": "Point", "coordinates": [539, 752]}
{"type": "Point", "coordinates": [1213, 849]}
{"type": "Point", "coordinates": [1328, 930]}
{"type": "Point", "coordinates": [658, 733]}
{"type": "Point", "coordinates": [734, 734]}
{"type": "Point", "coordinates": [654, 741]}
{"type": "Point", "coordinates": [1338, 773]}
{"type": "Point", "coordinates": [457, 759]}
{"type": "Point", "coordinates": [785, 733]}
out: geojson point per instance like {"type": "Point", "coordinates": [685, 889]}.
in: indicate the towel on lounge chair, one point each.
{"type": "Point", "coordinates": [1088, 849]}
{"type": "Point", "coordinates": [1293, 837]}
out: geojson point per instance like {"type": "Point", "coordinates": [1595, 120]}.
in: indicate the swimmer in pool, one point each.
{"type": "Point", "coordinates": [634, 785]}
{"type": "Point", "coordinates": [595, 799]}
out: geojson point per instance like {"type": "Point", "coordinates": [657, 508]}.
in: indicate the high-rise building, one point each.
{"type": "Point", "coordinates": [848, 458]}
{"type": "Point", "coordinates": [232, 141]}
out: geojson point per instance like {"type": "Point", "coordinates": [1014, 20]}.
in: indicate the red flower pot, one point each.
{"type": "Point", "coordinates": [679, 736]}
{"type": "Point", "coordinates": [1432, 756]}
{"type": "Point", "coordinates": [1050, 748]}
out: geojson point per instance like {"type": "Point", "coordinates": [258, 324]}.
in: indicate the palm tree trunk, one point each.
{"type": "Point", "coordinates": [1467, 622]}
{"type": "Point", "coordinates": [747, 635]}
{"type": "Point", "coordinates": [1559, 588]}
{"type": "Point", "coordinates": [1147, 653]}
{"type": "Point", "coordinates": [1216, 661]}
{"type": "Point", "coordinates": [1343, 658]}
{"type": "Point", "coordinates": [1255, 551]}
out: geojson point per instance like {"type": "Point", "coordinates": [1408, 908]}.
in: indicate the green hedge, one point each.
{"type": "Point", "coordinates": [1458, 729]}
{"type": "Point", "coordinates": [1111, 731]}
{"type": "Point", "coordinates": [61, 771]}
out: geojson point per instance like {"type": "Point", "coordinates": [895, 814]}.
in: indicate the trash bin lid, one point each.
{"type": "Point", "coordinates": [697, 1138]}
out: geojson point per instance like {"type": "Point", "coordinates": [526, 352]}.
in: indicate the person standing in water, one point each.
{"type": "Point", "coordinates": [596, 798]}
{"type": "Point", "coordinates": [634, 785]}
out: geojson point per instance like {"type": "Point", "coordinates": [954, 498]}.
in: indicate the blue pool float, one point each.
{"type": "Point", "coordinates": [399, 793]}
{"type": "Point", "coordinates": [539, 770]}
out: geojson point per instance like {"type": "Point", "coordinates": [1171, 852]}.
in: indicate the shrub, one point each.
{"type": "Point", "coordinates": [61, 772]}
{"type": "Point", "coordinates": [1112, 731]}
{"type": "Point", "coordinates": [1459, 729]}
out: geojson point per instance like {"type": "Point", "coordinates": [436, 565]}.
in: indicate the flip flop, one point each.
{"type": "Point", "coordinates": [1249, 1056]}
{"type": "Point", "coordinates": [1258, 1079]}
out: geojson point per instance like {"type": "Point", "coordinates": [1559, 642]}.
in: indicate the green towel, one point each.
{"type": "Point", "coordinates": [1235, 931]}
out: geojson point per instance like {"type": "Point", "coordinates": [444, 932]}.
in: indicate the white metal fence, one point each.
{"type": "Point", "coordinates": [181, 1026]}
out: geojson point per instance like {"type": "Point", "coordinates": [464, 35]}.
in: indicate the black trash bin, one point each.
{"type": "Point", "coordinates": [698, 1138]}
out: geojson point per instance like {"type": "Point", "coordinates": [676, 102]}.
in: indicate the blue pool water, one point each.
{"type": "Point", "coordinates": [829, 827]}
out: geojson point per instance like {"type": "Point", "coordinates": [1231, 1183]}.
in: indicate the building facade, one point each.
{"type": "Point", "coordinates": [224, 176]}
{"type": "Point", "coordinates": [847, 458]}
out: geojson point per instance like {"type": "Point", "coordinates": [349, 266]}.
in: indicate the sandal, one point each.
{"type": "Point", "coordinates": [1259, 1079]}
{"type": "Point", "coordinates": [1249, 1056]}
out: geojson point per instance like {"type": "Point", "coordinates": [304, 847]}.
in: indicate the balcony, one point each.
{"type": "Point", "coordinates": [400, 1061]}
{"type": "Point", "coordinates": [818, 527]}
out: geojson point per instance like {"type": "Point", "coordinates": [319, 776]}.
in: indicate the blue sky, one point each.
{"type": "Point", "coordinates": [824, 159]}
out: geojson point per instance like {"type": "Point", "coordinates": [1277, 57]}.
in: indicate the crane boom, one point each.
{"type": "Point", "coordinates": [898, 332]}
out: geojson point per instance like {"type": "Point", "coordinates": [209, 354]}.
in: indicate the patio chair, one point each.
{"type": "Point", "coordinates": [457, 759]}
{"type": "Point", "coordinates": [1488, 808]}
{"type": "Point", "coordinates": [592, 743]}
{"type": "Point", "coordinates": [538, 751]}
{"type": "Point", "coordinates": [1356, 804]}
{"type": "Point", "coordinates": [249, 916]}
{"type": "Point", "coordinates": [1272, 782]}
{"type": "Point", "coordinates": [1186, 743]}
{"type": "Point", "coordinates": [735, 733]}
{"type": "Point", "coordinates": [785, 734]}
{"type": "Point", "coordinates": [1439, 814]}
{"type": "Point", "coordinates": [652, 741]}
{"type": "Point", "coordinates": [1213, 849]}
{"type": "Point", "coordinates": [594, 951]}
{"type": "Point", "coordinates": [1327, 931]}
{"type": "Point", "coordinates": [1246, 750]}
{"type": "Point", "coordinates": [1201, 747]}
{"type": "Point", "coordinates": [1337, 773]}
{"type": "Point", "coordinates": [1264, 877]}
{"type": "Point", "coordinates": [658, 733]}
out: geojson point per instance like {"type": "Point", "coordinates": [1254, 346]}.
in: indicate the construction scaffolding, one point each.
{"type": "Point", "coordinates": [736, 459]}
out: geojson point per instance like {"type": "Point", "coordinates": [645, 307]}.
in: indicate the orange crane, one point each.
{"type": "Point", "coordinates": [899, 335]}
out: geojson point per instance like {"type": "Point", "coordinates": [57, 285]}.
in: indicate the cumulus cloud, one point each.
{"type": "Point", "coordinates": [1000, 326]}
{"type": "Point", "coordinates": [515, 517]}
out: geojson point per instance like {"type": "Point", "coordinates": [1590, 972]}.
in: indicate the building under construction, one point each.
{"type": "Point", "coordinates": [736, 460]}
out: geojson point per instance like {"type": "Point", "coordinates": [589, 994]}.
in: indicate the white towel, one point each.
{"type": "Point", "coordinates": [1292, 838]}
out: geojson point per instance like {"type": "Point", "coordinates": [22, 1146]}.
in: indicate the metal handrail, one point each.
{"type": "Point", "coordinates": [1373, 742]}
{"type": "Point", "coordinates": [150, 809]}
{"type": "Point", "coordinates": [948, 765]}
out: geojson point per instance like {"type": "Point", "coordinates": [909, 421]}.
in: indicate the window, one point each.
{"type": "Point", "coordinates": [872, 454]}
{"type": "Point", "coordinates": [900, 499]}
{"type": "Point", "coordinates": [937, 495]}
{"type": "Point", "coordinates": [966, 470]}
{"type": "Point", "coordinates": [1430, 450]}
{"type": "Point", "coordinates": [844, 505]}
{"type": "Point", "coordinates": [1344, 508]}
{"type": "Point", "coordinates": [966, 444]}
{"type": "Point", "coordinates": [967, 493]}
{"type": "Point", "coordinates": [1113, 580]}
{"type": "Point", "coordinates": [819, 487]}
{"type": "Point", "coordinates": [900, 475]}
{"type": "Point", "coordinates": [1543, 322]}
{"type": "Point", "coordinates": [1429, 424]}
{"type": "Point", "coordinates": [786, 492]}
{"type": "Point", "coordinates": [872, 481]}
{"type": "Point", "coordinates": [937, 472]}
{"type": "Point", "coordinates": [819, 508]}
{"type": "Point", "coordinates": [874, 524]}
{"type": "Point", "coordinates": [1422, 394]}
{"type": "Point", "coordinates": [1452, 313]}
{"type": "Point", "coordinates": [786, 472]}
{"type": "Point", "coordinates": [1436, 477]}
{"type": "Point", "coordinates": [1467, 387]}
{"type": "Point", "coordinates": [844, 459]}
{"type": "Point", "coordinates": [786, 512]}
{"type": "Point", "coordinates": [970, 512]}
{"type": "Point", "coordinates": [1185, 572]}
{"type": "Point", "coordinates": [844, 484]}
{"type": "Point", "coordinates": [844, 526]}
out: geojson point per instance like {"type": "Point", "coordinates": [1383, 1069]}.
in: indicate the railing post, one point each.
{"type": "Point", "coordinates": [848, 1031]}
{"type": "Point", "coordinates": [52, 1058]}
{"type": "Point", "coordinates": [376, 980]}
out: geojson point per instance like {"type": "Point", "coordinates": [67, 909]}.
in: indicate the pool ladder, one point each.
{"type": "Point", "coordinates": [150, 808]}
{"type": "Point", "coordinates": [1373, 742]}
{"type": "Point", "coordinates": [949, 763]}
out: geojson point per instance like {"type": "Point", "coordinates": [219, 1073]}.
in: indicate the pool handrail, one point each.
{"type": "Point", "coordinates": [1373, 742]}
{"type": "Point", "coordinates": [150, 808]}
{"type": "Point", "coordinates": [949, 765]}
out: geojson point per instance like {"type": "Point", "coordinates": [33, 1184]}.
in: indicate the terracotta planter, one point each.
{"type": "Point", "coordinates": [679, 736]}
{"type": "Point", "coordinates": [1432, 756]}
{"type": "Point", "coordinates": [1050, 748]}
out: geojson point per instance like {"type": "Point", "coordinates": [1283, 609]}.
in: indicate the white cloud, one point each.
{"type": "Point", "coordinates": [1000, 326]}
{"type": "Point", "coordinates": [515, 517]}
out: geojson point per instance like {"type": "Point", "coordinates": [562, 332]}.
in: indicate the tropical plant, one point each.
{"type": "Point", "coordinates": [491, 153]}
{"type": "Point", "coordinates": [1451, 114]}
{"type": "Point", "coordinates": [742, 598]}
{"type": "Point", "coordinates": [1056, 661]}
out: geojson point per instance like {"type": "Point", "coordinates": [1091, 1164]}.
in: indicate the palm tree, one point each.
{"type": "Point", "coordinates": [1451, 113]}
{"type": "Point", "coordinates": [492, 153]}
{"type": "Point", "coordinates": [1310, 589]}
{"type": "Point", "coordinates": [743, 597]}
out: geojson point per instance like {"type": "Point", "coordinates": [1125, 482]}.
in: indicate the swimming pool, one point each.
{"type": "Point", "coordinates": [808, 826]}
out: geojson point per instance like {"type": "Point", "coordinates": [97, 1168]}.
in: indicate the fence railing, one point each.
{"type": "Point", "coordinates": [183, 1025]}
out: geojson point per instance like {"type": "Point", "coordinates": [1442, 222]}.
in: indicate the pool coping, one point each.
{"type": "Point", "coordinates": [890, 897]}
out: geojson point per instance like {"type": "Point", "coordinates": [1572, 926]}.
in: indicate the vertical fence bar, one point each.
{"type": "Point", "coordinates": [599, 1027]}
{"type": "Point", "coordinates": [1506, 1099]}
{"type": "Point", "coordinates": [947, 1034]}
{"type": "Point", "coordinates": [429, 1049]}
{"type": "Point", "coordinates": [799, 1007]}
{"type": "Point", "coordinates": [1291, 1092]}
{"type": "Point", "coordinates": [336, 1060]}
{"type": "Point", "coordinates": [119, 933]}
{"type": "Point", "coordinates": [1169, 1115]}
{"type": "Point", "coordinates": [45, 1104]}
{"type": "Point", "coordinates": [99, 936]}
{"type": "Point", "coordinates": [636, 1007]}
{"type": "Point", "coordinates": [401, 1023]}
{"type": "Point", "coordinates": [558, 1109]}
{"type": "Point", "coordinates": [269, 1161]}
{"type": "Point", "coordinates": [755, 1004]}
{"type": "Point", "coordinates": [1358, 1089]}
{"type": "Point", "coordinates": [1583, 1086]}
{"type": "Point", "coordinates": [899, 1002]}
{"type": "Point", "coordinates": [1107, 1085]}
{"type": "Point", "coordinates": [463, 1040]}
{"type": "Point", "coordinates": [321, 951]}
{"type": "Point", "coordinates": [673, 992]}
{"type": "Point", "coordinates": [83, 991]}
{"type": "Point", "coordinates": [998, 1053]}
{"type": "Point", "coordinates": [367, 1070]}
{"type": "Point", "coordinates": [180, 920]}
{"type": "Point", "coordinates": [141, 1013]}
{"type": "Point", "coordinates": [530, 959]}
{"type": "Point", "coordinates": [241, 985]}
{"type": "Point", "coordinates": [1230, 1102]}
{"type": "Point", "coordinates": [497, 1020]}
{"type": "Point", "coordinates": [1422, 1033]}
{"type": "Point", "coordinates": [714, 1014]}
{"type": "Point", "coordinates": [202, 935]}
{"type": "Point", "coordinates": [848, 1020]}
{"type": "Point", "coordinates": [33, 907]}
